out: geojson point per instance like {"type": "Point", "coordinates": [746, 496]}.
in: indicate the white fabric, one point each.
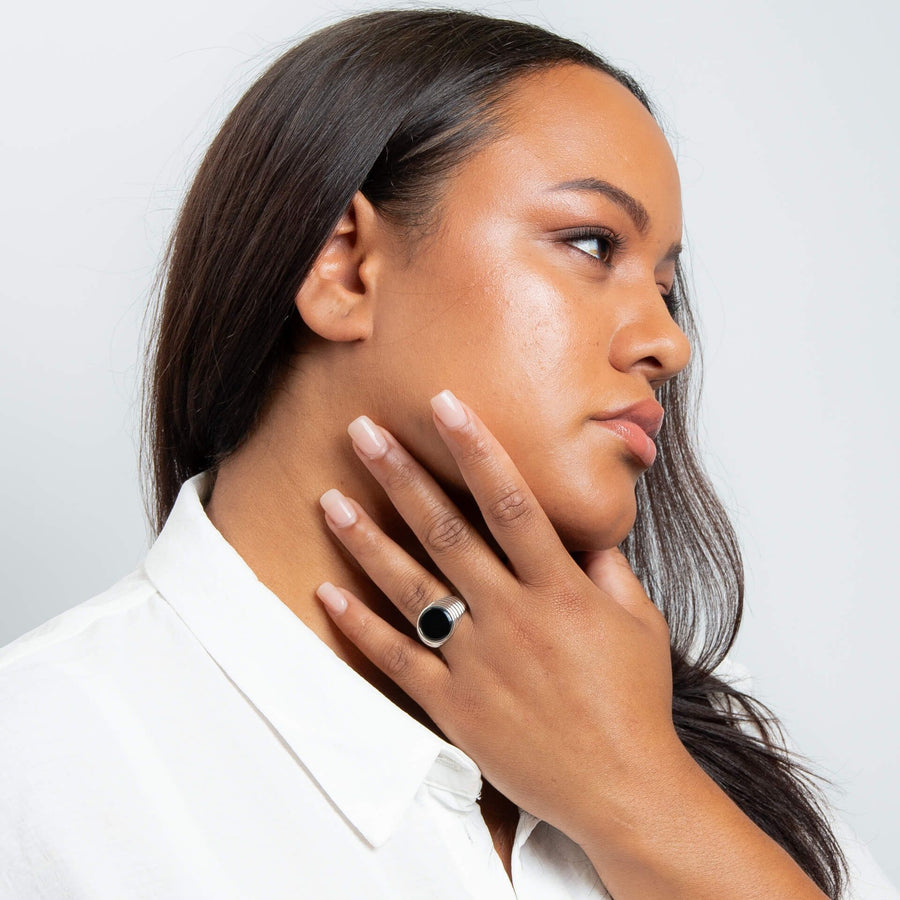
{"type": "Point", "coordinates": [184, 735]}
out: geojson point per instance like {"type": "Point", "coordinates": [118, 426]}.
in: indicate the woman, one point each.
{"type": "Point", "coordinates": [415, 206]}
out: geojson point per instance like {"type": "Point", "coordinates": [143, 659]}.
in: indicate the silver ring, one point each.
{"type": "Point", "coordinates": [438, 620]}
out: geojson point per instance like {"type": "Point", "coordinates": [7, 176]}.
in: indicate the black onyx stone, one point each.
{"type": "Point", "coordinates": [435, 624]}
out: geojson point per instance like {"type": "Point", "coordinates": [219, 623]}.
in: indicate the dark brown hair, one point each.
{"type": "Point", "coordinates": [389, 103]}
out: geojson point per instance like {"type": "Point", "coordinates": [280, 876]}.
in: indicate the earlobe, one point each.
{"type": "Point", "coordinates": [336, 297]}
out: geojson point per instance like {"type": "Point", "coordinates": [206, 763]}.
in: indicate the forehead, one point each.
{"type": "Point", "coordinates": [568, 123]}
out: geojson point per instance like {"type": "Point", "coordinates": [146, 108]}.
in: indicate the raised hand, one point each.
{"type": "Point", "coordinates": [557, 681]}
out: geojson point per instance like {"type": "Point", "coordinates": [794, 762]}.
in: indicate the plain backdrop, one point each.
{"type": "Point", "coordinates": [784, 120]}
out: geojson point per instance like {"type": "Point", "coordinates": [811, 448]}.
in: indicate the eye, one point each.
{"type": "Point", "coordinates": [600, 243]}
{"type": "Point", "coordinates": [671, 297]}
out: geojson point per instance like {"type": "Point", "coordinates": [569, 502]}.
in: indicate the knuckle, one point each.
{"type": "Point", "coordinates": [550, 578]}
{"type": "Point", "coordinates": [525, 637]}
{"type": "Point", "coordinates": [413, 595]}
{"type": "Point", "coordinates": [475, 451]}
{"type": "Point", "coordinates": [401, 475]}
{"type": "Point", "coordinates": [566, 600]}
{"type": "Point", "coordinates": [510, 506]}
{"type": "Point", "coordinates": [367, 542]}
{"type": "Point", "coordinates": [567, 604]}
{"type": "Point", "coordinates": [446, 531]}
{"type": "Point", "coordinates": [469, 704]}
{"type": "Point", "coordinates": [362, 629]}
{"type": "Point", "coordinates": [396, 660]}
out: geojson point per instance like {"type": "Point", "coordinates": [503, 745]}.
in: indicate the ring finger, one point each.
{"type": "Point", "coordinates": [407, 584]}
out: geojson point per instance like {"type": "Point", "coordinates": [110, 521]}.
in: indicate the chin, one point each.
{"type": "Point", "coordinates": [598, 527]}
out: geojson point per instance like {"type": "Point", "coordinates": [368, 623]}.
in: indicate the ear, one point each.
{"type": "Point", "coordinates": [336, 297]}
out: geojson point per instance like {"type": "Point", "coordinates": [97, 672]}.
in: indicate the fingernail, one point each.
{"type": "Point", "coordinates": [448, 410]}
{"type": "Point", "coordinates": [331, 597]}
{"type": "Point", "coordinates": [367, 437]}
{"type": "Point", "coordinates": [339, 510]}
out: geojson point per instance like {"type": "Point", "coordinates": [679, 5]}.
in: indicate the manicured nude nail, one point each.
{"type": "Point", "coordinates": [448, 410]}
{"type": "Point", "coordinates": [367, 437]}
{"type": "Point", "coordinates": [331, 597]}
{"type": "Point", "coordinates": [339, 510]}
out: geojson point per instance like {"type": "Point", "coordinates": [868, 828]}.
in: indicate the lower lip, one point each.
{"type": "Point", "coordinates": [636, 439]}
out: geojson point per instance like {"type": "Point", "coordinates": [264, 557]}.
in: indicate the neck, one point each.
{"type": "Point", "coordinates": [265, 503]}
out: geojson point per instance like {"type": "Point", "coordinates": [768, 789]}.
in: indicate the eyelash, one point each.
{"type": "Point", "coordinates": [616, 243]}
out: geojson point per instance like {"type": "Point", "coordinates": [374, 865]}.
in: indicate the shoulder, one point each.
{"type": "Point", "coordinates": [53, 679]}
{"type": "Point", "coordinates": [85, 703]}
{"type": "Point", "coordinates": [61, 634]}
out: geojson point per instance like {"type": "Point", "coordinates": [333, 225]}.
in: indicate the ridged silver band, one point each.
{"type": "Point", "coordinates": [453, 606]}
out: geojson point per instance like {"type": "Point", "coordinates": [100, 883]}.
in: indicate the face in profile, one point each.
{"type": "Point", "coordinates": [539, 299]}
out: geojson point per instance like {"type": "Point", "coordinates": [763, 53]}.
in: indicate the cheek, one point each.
{"type": "Point", "coordinates": [534, 331]}
{"type": "Point", "coordinates": [533, 364]}
{"type": "Point", "coordinates": [493, 333]}
{"type": "Point", "coordinates": [584, 483]}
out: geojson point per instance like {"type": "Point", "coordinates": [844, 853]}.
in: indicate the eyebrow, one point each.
{"type": "Point", "coordinates": [636, 210]}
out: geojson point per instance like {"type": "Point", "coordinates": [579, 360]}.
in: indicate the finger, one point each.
{"type": "Point", "coordinates": [412, 667]}
{"type": "Point", "coordinates": [510, 509]}
{"type": "Point", "coordinates": [457, 548]}
{"type": "Point", "coordinates": [407, 584]}
{"type": "Point", "coordinates": [612, 573]}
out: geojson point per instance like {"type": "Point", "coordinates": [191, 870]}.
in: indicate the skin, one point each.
{"type": "Point", "coordinates": [536, 332]}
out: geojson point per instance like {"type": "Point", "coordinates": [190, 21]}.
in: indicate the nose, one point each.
{"type": "Point", "coordinates": [648, 340]}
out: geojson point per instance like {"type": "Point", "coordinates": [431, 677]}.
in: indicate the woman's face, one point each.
{"type": "Point", "coordinates": [539, 299]}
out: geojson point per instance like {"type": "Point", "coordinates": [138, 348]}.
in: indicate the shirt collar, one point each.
{"type": "Point", "coordinates": [365, 753]}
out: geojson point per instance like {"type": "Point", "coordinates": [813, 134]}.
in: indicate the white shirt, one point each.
{"type": "Point", "coordinates": [185, 735]}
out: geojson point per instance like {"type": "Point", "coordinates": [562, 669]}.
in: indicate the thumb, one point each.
{"type": "Point", "coordinates": [610, 571]}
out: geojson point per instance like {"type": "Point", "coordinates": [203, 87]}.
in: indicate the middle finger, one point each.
{"type": "Point", "coordinates": [451, 541]}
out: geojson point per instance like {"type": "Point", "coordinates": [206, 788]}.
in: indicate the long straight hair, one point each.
{"type": "Point", "coordinates": [388, 103]}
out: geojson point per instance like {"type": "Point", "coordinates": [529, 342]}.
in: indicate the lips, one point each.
{"type": "Point", "coordinates": [637, 425]}
{"type": "Point", "coordinates": [647, 415]}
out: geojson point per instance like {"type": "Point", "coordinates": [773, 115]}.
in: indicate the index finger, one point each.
{"type": "Point", "coordinates": [510, 509]}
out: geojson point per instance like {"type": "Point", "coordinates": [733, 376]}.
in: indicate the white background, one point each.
{"type": "Point", "coordinates": [784, 117]}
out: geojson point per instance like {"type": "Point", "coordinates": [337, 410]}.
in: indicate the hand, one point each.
{"type": "Point", "coordinates": [558, 680]}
